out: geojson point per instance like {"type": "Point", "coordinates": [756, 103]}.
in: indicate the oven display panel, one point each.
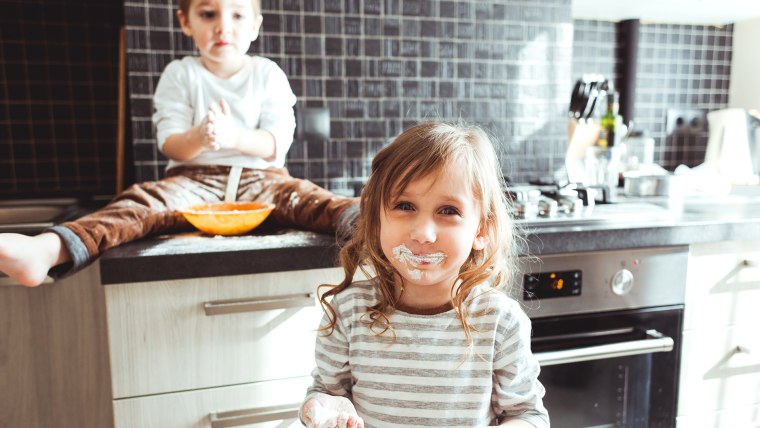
{"type": "Point", "coordinates": [544, 285]}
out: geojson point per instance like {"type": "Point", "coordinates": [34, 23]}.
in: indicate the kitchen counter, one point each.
{"type": "Point", "coordinates": [190, 255]}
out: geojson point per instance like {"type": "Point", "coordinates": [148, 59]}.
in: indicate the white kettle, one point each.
{"type": "Point", "coordinates": [733, 146]}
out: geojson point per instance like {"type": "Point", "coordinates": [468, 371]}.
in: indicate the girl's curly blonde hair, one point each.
{"type": "Point", "coordinates": [421, 150]}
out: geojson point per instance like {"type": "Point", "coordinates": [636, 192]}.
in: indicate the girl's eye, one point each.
{"type": "Point", "coordinates": [239, 16]}
{"type": "Point", "coordinates": [207, 14]}
{"type": "Point", "coordinates": [403, 206]}
{"type": "Point", "coordinates": [449, 211]}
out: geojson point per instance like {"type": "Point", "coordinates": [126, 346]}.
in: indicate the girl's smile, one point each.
{"type": "Point", "coordinates": [405, 255]}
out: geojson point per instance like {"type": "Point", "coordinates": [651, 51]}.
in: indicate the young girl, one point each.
{"type": "Point", "coordinates": [431, 339]}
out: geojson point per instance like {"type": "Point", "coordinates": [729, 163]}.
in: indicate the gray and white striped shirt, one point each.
{"type": "Point", "coordinates": [427, 375]}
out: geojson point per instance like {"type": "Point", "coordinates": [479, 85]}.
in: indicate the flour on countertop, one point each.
{"type": "Point", "coordinates": [195, 242]}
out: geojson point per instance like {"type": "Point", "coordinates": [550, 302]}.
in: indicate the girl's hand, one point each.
{"type": "Point", "coordinates": [219, 129]}
{"type": "Point", "coordinates": [327, 411]}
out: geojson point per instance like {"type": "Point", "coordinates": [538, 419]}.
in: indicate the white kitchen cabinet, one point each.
{"type": "Point", "coordinates": [720, 366]}
{"type": "Point", "coordinates": [259, 404]}
{"type": "Point", "coordinates": [183, 351]}
{"type": "Point", "coordinates": [207, 352]}
{"type": "Point", "coordinates": [738, 417]}
{"type": "Point", "coordinates": [54, 369]}
{"type": "Point", "coordinates": [189, 334]}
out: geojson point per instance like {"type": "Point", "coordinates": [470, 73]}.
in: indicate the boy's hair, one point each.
{"type": "Point", "coordinates": [184, 6]}
{"type": "Point", "coordinates": [421, 150]}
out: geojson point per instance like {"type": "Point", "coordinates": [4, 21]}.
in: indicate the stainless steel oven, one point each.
{"type": "Point", "coordinates": [607, 331]}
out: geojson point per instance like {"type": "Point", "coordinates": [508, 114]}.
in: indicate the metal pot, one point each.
{"type": "Point", "coordinates": [638, 184]}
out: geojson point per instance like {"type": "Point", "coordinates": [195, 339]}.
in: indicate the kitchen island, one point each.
{"type": "Point", "coordinates": [189, 330]}
{"type": "Point", "coordinates": [193, 255]}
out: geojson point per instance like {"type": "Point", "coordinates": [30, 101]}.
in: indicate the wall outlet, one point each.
{"type": "Point", "coordinates": [685, 121]}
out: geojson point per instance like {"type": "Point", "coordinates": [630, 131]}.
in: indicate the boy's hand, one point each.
{"type": "Point", "coordinates": [219, 129]}
{"type": "Point", "coordinates": [327, 411]}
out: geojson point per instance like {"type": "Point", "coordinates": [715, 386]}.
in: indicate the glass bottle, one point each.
{"type": "Point", "coordinates": [609, 134]}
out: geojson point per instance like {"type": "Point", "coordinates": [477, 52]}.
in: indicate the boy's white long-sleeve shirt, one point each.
{"type": "Point", "coordinates": [427, 375]}
{"type": "Point", "coordinates": [259, 96]}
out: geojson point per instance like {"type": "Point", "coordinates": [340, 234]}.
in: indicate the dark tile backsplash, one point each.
{"type": "Point", "coordinates": [378, 65]}
{"type": "Point", "coordinates": [58, 97]}
{"type": "Point", "coordinates": [679, 67]}
{"type": "Point", "coordinates": [382, 65]}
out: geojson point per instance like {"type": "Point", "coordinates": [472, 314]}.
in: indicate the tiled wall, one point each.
{"type": "Point", "coordinates": [381, 65]}
{"type": "Point", "coordinates": [378, 65]}
{"type": "Point", "coordinates": [58, 92]}
{"type": "Point", "coordinates": [679, 67]}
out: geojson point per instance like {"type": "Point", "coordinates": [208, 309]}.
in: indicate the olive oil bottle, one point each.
{"type": "Point", "coordinates": [609, 134]}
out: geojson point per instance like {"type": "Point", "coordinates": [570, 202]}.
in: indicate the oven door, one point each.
{"type": "Point", "coordinates": [615, 369]}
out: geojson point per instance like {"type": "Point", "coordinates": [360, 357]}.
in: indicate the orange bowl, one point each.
{"type": "Point", "coordinates": [227, 218]}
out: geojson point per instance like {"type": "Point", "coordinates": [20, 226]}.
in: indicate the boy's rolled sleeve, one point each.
{"type": "Point", "coordinates": [173, 111]}
{"type": "Point", "coordinates": [277, 114]}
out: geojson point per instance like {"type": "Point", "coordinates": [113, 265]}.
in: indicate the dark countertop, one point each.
{"type": "Point", "coordinates": [192, 255]}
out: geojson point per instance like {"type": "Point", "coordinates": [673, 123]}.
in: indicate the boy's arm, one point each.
{"type": "Point", "coordinates": [223, 132]}
{"type": "Point", "coordinates": [219, 130]}
{"type": "Point", "coordinates": [185, 145]}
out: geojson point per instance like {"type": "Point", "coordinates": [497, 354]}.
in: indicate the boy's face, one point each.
{"type": "Point", "coordinates": [222, 30]}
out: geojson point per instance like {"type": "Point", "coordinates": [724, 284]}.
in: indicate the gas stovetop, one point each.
{"type": "Point", "coordinates": [553, 205]}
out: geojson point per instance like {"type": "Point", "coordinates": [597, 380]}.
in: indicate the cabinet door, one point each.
{"type": "Point", "coordinates": [741, 417]}
{"type": "Point", "coordinates": [54, 355]}
{"type": "Point", "coordinates": [182, 335]}
{"type": "Point", "coordinates": [723, 285]}
{"type": "Point", "coordinates": [262, 404]}
{"type": "Point", "coordinates": [721, 370]}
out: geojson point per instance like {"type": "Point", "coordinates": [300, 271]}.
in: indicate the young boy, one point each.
{"type": "Point", "coordinates": [222, 118]}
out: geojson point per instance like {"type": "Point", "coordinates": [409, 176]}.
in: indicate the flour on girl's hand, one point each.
{"type": "Point", "coordinates": [322, 417]}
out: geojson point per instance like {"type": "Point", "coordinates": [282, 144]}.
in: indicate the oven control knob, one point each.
{"type": "Point", "coordinates": [622, 282]}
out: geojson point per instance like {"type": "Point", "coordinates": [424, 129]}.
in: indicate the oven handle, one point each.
{"type": "Point", "coordinates": [655, 342]}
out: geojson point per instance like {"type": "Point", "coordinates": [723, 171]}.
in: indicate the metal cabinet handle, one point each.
{"type": "Point", "coordinates": [236, 418]}
{"type": "Point", "coordinates": [235, 306]}
{"type": "Point", "coordinates": [656, 342]}
{"type": "Point", "coordinates": [722, 369]}
{"type": "Point", "coordinates": [726, 286]}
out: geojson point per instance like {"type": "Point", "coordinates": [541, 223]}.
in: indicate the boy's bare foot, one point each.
{"type": "Point", "coordinates": [27, 259]}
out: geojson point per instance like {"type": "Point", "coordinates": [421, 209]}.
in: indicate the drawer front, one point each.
{"type": "Point", "coordinates": [723, 285]}
{"type": "Point", "coordinates": [742, 417]}
{"type": "Point", "coordinates": [261, 404]}
{"type": "Point", "coordinates": [720, 370]}
{"type": "Point", "coordinates": [182, 335]}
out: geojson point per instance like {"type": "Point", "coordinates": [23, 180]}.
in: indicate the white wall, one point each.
{"type": "Point", "coordinates": [744, 89]}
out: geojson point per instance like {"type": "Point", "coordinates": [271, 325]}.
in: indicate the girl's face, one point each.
{"type": "Point", "coordinates": [222, 31]}
{"type": "Point", "coordinates": [428, 232]}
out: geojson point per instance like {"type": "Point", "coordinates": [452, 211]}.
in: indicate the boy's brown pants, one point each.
{"type": "Point", "coordinates": [151, 208]}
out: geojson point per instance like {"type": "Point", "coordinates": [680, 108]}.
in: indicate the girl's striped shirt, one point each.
{"type": "Point", "coordinates": [427, 375]}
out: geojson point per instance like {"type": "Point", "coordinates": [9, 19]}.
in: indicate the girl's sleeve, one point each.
{"type": "Point", "coordinates": [171, 101]}
{"type": "Point", "coordinates": [332, 374]}
{"type": "Point", "coordinates": [277, 115]}
{"type": "Point", "coordinates": [518, 394]}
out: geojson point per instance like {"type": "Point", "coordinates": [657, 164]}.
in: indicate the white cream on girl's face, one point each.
{"type": "Point", "coordinates": [428, 232]}
{"type": "Point", "coordinates": [405, 256]}
{"type": "Point", "coordinates": [222, 31]}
